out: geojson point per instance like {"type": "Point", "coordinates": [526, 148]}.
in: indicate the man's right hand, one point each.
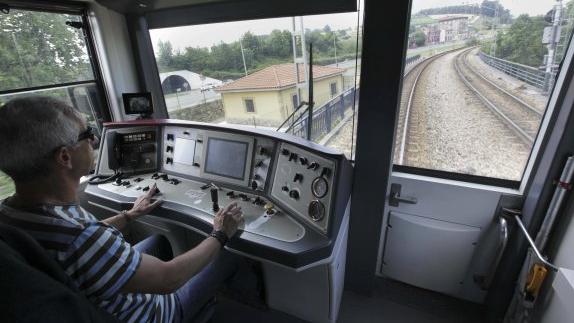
{"type": "Point", "coordinates": [228, 219]}
{"type": "Point", "coordinates": [158, 277]}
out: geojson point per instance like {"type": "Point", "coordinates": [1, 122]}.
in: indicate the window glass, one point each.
{"type": "Point", "coordinates": [40, 48]}
{"type": "Point", "coordinates": [477, 81]}
{"type": "Point", "coordinates": [249, 105]}
{"type": "Point", "coordinates": [208, 71]}
{"type": "Point", "coordinates": [45, 53]}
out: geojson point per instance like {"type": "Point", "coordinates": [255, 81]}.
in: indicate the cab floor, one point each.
{"type": "Point", "coordinates": [391, 302]}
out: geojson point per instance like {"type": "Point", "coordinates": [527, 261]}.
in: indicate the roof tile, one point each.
{"type": "Point", "coordinates": [277, 76]}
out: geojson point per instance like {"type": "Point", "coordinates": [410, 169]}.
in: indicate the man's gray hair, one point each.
{"type": "Point", "coordinates": [31, 128]}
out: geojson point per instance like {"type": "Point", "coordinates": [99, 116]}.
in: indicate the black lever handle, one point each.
{"type": "Point", "coordinates": [215, 199]}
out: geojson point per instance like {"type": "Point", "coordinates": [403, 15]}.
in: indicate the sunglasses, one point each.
{"type": "Point", "coordinates": [89, 133]}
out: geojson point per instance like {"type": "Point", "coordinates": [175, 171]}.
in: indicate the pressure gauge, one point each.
{"type": "Point", "coordinates": [316, 210]}
{"type": "Point", "coordinates": [319, 187]}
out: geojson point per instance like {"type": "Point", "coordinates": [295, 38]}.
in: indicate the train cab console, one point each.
{"type": "Point", "coordinates": [294, 196]}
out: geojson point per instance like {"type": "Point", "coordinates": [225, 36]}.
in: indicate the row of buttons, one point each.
{"type": "Point", "coordinates": [137, 137]}
{"type": "Point", "coordinates": [302, 160]}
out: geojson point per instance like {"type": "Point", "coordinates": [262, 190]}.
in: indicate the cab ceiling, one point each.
{"type": "Point", "coordinates": [146, 6]}
{"type": "Point", "coordinates": [173, 13]}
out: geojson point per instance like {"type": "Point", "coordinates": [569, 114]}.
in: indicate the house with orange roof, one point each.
{"type": "Point", "coordinates": [267, 97]}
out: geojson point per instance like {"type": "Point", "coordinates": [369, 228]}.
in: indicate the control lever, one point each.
{"type": "Point", "coordinates": [215, 199]}
{"type": "Point", "coordinates": [313, 166]}
{"type": "Point", "coordinates": [395, 196]}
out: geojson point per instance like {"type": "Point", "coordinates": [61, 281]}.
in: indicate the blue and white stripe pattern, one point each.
{"type": "Point", "coordinates": [95, 256]}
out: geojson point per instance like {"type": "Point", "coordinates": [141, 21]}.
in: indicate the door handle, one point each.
{"type": "Point", "coordinates": [396, 198]}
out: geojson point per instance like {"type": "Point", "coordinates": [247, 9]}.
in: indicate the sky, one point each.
{"type": "Point", "coordinates": [210, 34]}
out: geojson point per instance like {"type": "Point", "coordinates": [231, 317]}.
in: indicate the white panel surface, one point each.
{"type": "Point", "coordinates": [428, 253]}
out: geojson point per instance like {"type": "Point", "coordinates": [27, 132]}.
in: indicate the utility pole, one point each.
{"type": "Point", "coordinates": [494, 25]}
{"type": "Point", "coordinates": [243, 55]}
{"type": "Point", "coordinates": [335, 45]}
{"type": "Point", "coordinates": [295, 36]}
{"type": "Point", "coordinates": [552, 44]}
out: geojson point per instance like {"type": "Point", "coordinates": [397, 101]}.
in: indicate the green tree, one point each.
{"type": "Point", "coordinates": [38, 48]}
{"type": "Point", "coordinates": [420, 38]}
{"type": "Point", "coordinates": [522, 43]}
{"type": "Point", "coordinates": [165, 56]}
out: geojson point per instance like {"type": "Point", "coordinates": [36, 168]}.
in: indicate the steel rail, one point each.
{"type": "Point", "coordinates": [512, 96]}
{"type": "Point", "coordinates": [422, 65]}
{"type": "Point", "coordinates": [513, 125]}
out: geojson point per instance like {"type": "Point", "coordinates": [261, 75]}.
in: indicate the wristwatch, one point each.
{"type": "Point", "coordinates": [220, 236]}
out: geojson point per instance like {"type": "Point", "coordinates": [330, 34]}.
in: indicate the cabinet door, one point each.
{"type": "Point", "coordinates": [428, 253]}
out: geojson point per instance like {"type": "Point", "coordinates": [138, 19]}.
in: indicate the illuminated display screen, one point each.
{"type": "Point", "coordinates": [226, 158]}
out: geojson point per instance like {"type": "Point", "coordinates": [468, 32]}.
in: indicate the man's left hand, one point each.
{"type": "Point", "coordinates": [143, 204]}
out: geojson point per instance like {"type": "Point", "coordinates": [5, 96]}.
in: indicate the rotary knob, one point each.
{"type": "Point", "coordinates": [316, 210]}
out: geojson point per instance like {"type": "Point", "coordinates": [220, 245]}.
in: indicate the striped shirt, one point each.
{"type": "Point", "coordinates": [96, 257]}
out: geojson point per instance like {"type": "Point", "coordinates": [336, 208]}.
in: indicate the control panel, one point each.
{"type": "Point", "coordinates": [302, 183]}
{"type": "Point", "coordinates": [261, 216]}
{"type": "Point", "coordinates": [221, 157]}
{"type": "Point", "coordinates": [293, 194]}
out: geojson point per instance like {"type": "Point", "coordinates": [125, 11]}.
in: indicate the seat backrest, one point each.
{"type": "Point", "coordinates": [34, 288]}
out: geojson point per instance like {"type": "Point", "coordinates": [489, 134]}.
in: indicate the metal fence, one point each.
{"type": "Point", "coordinates": [412, 59]}
{"type": "Point", "coordinates": [326, 117]}
{"type": "Point", "coordinates": [528, 74]}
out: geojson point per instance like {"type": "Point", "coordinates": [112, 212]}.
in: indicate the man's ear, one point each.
{"type": "Point", "coordinates": [64, 157]}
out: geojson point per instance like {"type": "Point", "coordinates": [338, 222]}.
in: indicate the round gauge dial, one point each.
{"type": "Point", "coordinates": [316, 210]}
{"type": "Point", "coordinates": [319, 187]}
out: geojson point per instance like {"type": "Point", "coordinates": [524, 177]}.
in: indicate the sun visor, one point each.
{"type": "Point", "coordinates": [173, 13]}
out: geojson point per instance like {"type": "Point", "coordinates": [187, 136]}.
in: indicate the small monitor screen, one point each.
{"type": "Point", "coordinates": [138, 103]}
{"type": "Point", "coordinates": [183, 151]}
{"type": "Point", "coordinates": [226, 158]}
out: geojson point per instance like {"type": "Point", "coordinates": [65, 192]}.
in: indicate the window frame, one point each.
{"type": "Point", "coordinates": [294, 101]}
{"type": "Point", "coordinates": [252, 103]}
{"type": "Point", "coordinates": [331, 89]}
{"type": "Point", "coordinates": [101, 112]}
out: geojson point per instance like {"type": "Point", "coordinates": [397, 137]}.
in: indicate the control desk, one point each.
{"type": "Point", "coordinates": [294, 194]}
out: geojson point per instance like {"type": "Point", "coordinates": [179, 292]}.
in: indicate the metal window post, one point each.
{"type": "Point", "coordinates": [311, 103]}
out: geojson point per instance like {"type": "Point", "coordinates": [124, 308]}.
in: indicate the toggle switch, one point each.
{"type": "Point", "coordinates": [326, 172]}
{"type": "Point", "coordinates": [313, 166]}
{"type": "Point", "coordinates": [294, 194]}
{"type": "Point", "coordinates": [298, 178]}
{"type": "Point", "coordinates": [292, 156]}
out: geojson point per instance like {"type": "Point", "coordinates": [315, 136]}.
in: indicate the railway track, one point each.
{"type": "Point", "coordinates": [522, 118]}
{"type": "Point", "coordinates": [410, 81]}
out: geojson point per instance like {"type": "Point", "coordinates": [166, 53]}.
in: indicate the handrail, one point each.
{"type": "Point", "coordinates": [503, 235]}
{"type": "Point", "coordinates": [530, 241]}
{"type": "Point", "coordinates": [292, 113]}
{"type": "Point", "coordinates": [300, 117]}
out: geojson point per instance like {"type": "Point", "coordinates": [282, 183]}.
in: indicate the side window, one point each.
{"type": "Point", "coordinates": [249, 105]}
{"type": "Point", "coordinates": [45, 53]}
{"type": "Point", "coordinates": [476, 86]}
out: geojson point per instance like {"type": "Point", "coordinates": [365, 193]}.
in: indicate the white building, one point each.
{"type": "Point", "coordinates": [184, 80]}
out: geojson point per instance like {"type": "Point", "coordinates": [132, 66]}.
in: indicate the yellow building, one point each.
{"type": "Point", "coordinates": [268, 97]}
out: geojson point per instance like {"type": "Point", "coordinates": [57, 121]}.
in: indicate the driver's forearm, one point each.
{"type": "Point", "coordinates": [118, 221]}
{"type": "Point", "coordinates": [183, 267]}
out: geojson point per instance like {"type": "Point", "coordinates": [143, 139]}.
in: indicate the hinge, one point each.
{"type": "Point", "coordinates": [4, 8]}
{"type": "Point", "coordinates": [75, 24]}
